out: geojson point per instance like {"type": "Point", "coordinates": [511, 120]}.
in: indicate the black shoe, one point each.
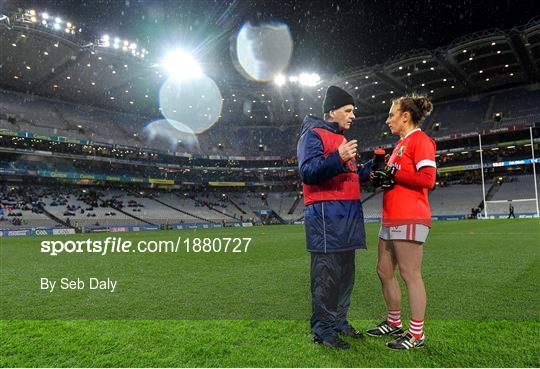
{"type": "Point", "coordinates": [334, 342]}
{"type": "Point", "coordinates": [351, 332]}
{"type": "Point", "coordinates": [384, 329]}
{"type": "Point", "coordinates": [406, 342]}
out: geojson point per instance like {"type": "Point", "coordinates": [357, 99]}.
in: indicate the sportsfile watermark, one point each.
{"type": "Point", "coordinates": [119, 245]}
{"type": "Point", "coordinates": [133, 276]}
{"type": "Point", "coordinates": [230, 274]}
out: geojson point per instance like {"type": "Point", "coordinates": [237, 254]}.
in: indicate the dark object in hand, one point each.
{"type": "Point", "coordinates": [379, 164]}
{"type": "Point", "coordinates": [378, 160]}
{"type": "Point", "coordinates": [384, 178]}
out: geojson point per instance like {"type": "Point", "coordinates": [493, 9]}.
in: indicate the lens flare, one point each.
{"type": "Point", "coordinates": [262, 52]}
{"type": "Point", "coordinates": [195, 104]}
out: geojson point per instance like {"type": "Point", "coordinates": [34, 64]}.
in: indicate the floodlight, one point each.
{"type": "Point", "coordinates": [181, 65]}
{"type": "Point", "coordinates": [280, 80]}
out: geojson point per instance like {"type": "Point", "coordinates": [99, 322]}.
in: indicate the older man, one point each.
{"type": "Point", "coordinates": [333, 216]}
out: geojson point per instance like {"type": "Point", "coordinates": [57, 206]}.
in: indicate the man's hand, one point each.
{"type": "Point", "coordinates": [347, 150]}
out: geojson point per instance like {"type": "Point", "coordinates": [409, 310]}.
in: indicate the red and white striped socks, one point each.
{"type": "Point", "coordinates": [416, 328]}
{"type": "Point", "coordinates": [394, 318]}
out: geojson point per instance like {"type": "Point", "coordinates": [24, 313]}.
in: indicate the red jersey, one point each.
{"type": "Point", "coordinates": [403, 204]}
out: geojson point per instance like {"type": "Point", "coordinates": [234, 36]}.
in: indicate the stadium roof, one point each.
{"type": "Point", "coordinates": [66, 66]}
{"type": "Point", "coordinates": [473, 64]}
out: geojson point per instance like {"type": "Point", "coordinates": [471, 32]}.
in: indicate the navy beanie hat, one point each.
{"type": "Point", "coordinates": [336, 98]}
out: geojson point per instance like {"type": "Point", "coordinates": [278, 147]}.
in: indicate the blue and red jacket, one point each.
{"type": "Point", "coordinates": [333, 215]}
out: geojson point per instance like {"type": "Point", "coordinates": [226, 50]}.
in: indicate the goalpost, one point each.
{"type": "Point", "coordinates": [507, 201]}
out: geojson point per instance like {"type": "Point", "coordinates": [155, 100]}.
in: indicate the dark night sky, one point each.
{"type": "Point", "coordinates": [329, 36]}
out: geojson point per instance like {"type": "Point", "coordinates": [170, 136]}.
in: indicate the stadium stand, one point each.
{"type": "Point", "coordinates": [455, 199]}
{"type": "Point", "coordinates": [298, 211]}
{"type": "Point", "coordinates": [513, 188]}
{"type": "Point", "coordinates": [460, 117]}
{"type": "Point", "coordinates": [144, 208]}
{"type": "Point", "coordinates": [44, 116]}
{"type": "Point", "coordinates": [372, 204]}
{"type": "Point", "coordinates": [20, 207]}
{"type": "Point", "coordinates": [82, 207]}
{"type": "Point", "coordinates": [518, 103]}
{"type": "Point", "coordinates": [191, 210]}
{"type": "Point", "coordinates": [369, 132]}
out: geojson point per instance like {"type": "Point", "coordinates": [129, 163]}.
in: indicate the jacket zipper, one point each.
{"type": "Point", "coordinates": [324, 225]}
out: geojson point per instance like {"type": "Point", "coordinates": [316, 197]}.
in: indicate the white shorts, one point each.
{"type": "Point", "coordinates": [408, 232]}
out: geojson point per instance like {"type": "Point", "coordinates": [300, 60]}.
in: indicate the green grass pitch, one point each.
{"type": "Point", "coordinates": [252, 309]}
